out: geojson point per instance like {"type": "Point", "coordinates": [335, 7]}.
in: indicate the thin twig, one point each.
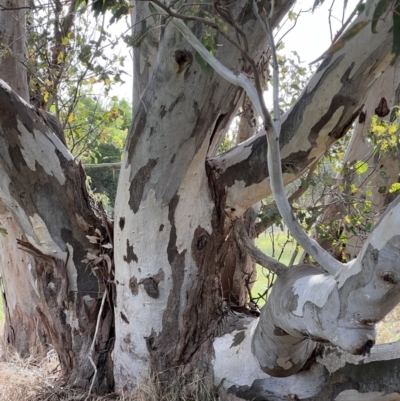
{"type": "Point", "coordinates": [330, 20]}
{"type": "Point", "coordinates": [93, 342]}
{"type": "Point", "coordinates": [346, 24]}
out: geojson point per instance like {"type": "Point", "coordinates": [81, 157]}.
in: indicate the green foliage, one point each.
{"type": "Point", "coordinates": [104, 180]}
{"type": "Point", "coordinates": [381, 8]}
{"type": "Point", "coordinates": [226, 144]}
{"type": "Point", "coordinates": [69, 53]}
{"type": "Point", "coordinates": [93, 123]}
{"type": "Point", "coordinates": [117, 7]}
{"type": "Point", "coordinates": [354, 194]}
{"type": "Point", "coordinates": [385, 134]}
{"type": "Point", "coordinates": [206, 68]}
{"type": "Point", "coordinates": [279, 245]}
{"type": "Point", "coordinates": [361, 167]}
{"type": "Point", "coordinates": [293, 77]}
{"type": "Point", "coordinates": [96, 134]}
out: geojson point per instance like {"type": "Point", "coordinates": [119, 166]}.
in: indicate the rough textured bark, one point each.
{"type": "Point", "coordinates": [22, 328]}
{"type": "Point", "coordinates": [239, 271]}
{"type": "Point", "coordinates": [44, 189]}
{"type": "Point", "coordinates": [336, 376]}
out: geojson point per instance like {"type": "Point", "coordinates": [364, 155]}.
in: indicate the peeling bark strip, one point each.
{"type": "Point", "coordinates": [44, 190]}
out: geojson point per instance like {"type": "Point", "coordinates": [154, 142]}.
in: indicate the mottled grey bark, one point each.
{"type": "Point", "coordinates": [44, 190]}
{"type": "Point", "coordinates": [337, 91]}
{"type": "Point", "coordinates": [22, 329]}
{"type": "Point", "coordinates": [164, 198]}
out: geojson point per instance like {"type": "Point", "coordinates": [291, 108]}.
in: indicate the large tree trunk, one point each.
{"type": "Point", "coordinates": [170, 302]}
{"type": "Point", "coordinates": [13, 52]}
{"type": "Point", "coordinates": [172, 309]}
{"type": "Point", "coordinates": [22, 328]}
{"type": "Point", "coordinates": [174, 214]}
{"type": "Point", "coordinates": [44, 189]}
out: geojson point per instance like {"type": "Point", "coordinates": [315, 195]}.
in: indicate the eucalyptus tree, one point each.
{"type": "Point", "coordinates": [149, 296]}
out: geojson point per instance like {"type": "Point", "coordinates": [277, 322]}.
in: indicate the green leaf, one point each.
{"type": "Point", "coordinates": [316, 4]}
{"type": "Point", "coordinates": [3, 231]}
{"type": "Point", "coordinates": [360, 9]}
{"type": "Point", "coordinates": [123, 10]}
{"type": "Point", "coordinates": [384, 175]}
{"type": "Point", "coordinates": [350, 33]}
{"type": "Point", "coordinates": [207, 69]}
{"type": "Point", "coordinates": [361, 167]}
{"type": "Point", "coordinates": [153, 10]}
{"type": "Point", "coordinates": [394, 188]}
{"type": "Point", "coordinates": [79, 2]}
{"type": "Point", "coordinates": [99, 6]}
{"type": "Point", "coordinates": [380, 9]}
{"type": "Point", "coordinates": [369, 226]}
{"type": "Point", "coordinates": [396, 34]}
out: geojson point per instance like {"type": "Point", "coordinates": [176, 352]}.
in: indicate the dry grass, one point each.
{"type": "Point", "coordinates": [151, 390]}
{"type": "Point", "coordinates": [389, 328]}
{"type": "Point", "coordinates": [34, 379]}
{"type": "Point", "coordinates": [21, 379]}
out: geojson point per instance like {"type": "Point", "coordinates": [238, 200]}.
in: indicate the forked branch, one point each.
{"type": "Point", "coordinates": [272, 129]}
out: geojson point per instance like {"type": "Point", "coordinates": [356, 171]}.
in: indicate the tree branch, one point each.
{"type": "Point", "coordinates": [258, 256]}
{"type": "Point", "coordinates": [261, 226]}
{"type": "Point", "coordinates": [272, 131]}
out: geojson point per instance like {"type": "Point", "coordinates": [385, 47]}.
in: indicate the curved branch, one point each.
{"type": "Point", "coordinates": [258, 256]}
{"type": "Point", "coordinates": [324, 258]}
{"type": "Point", "coordinates": [261, 226]}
